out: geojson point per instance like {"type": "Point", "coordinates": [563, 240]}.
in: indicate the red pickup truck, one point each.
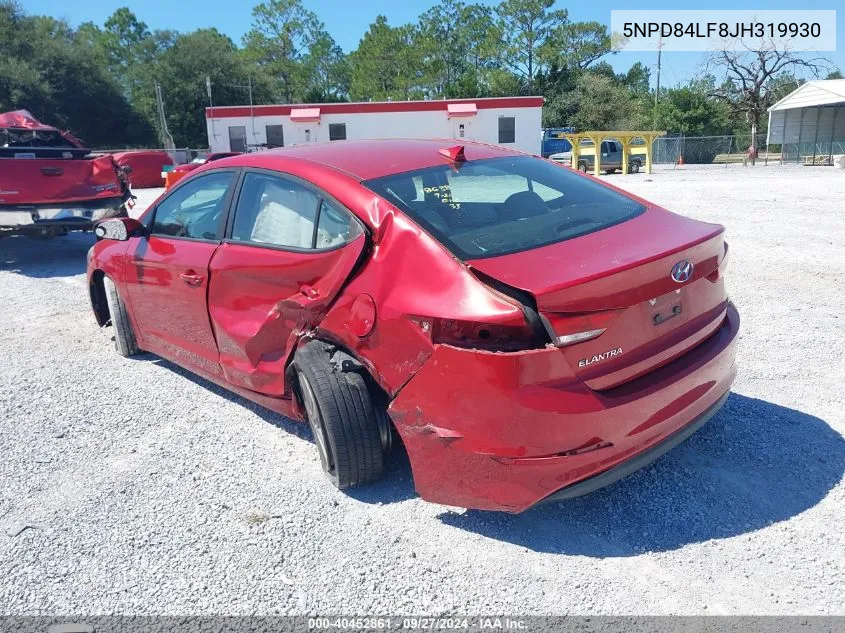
{"type": "Point", "coordinates": [51, 184]}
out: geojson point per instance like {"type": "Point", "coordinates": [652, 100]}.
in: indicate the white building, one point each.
{"type": "Point", "coordinates": [810, 121]}
{"type": "Point", "coordinates": [508, 121]}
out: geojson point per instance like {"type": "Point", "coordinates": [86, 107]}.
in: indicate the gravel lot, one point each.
{"type": "Point", "coordinates": [148, 491]}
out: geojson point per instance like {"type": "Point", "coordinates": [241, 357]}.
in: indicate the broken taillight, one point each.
{"type": "Point", "coordinates": [477, 335]}
{"type": "Point", "coordinates": [570, 328]}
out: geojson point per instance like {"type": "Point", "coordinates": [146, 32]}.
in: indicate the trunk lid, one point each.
{"type": "Point", "coordinates": [619, 280]}
{"type": "Point", "coordinates": [40, 181]}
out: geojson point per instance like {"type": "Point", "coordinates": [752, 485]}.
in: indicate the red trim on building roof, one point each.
{"type": "Point", "coordinates": [373, 106]}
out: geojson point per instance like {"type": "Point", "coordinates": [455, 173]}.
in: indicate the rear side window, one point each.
{"type": "Point", "coordinates": [335, 226]}
{"type": "Point", "coordinates": [498, 206]}
{"type": "Point", "coordinates": [275, 211]}
{"type": "Point", "coordinates": [195, 209]}
{"type": "Point", "coordinates": [280, 212]}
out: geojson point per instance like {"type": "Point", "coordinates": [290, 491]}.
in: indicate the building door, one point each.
{"type": "Point", "coordinates": [237, 138]}
{"type": "Point", "coordinates": [461, 129]}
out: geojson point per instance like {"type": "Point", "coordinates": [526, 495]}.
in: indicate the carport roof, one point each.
{"type": "Point", "coordinates": [813, 93]}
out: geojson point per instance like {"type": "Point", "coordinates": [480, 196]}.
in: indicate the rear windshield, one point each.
{"type": "Point", "coordinates": [493, 207]}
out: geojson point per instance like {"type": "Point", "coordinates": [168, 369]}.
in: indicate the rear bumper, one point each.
{"type": "Point", "coordinates": [57, 216]}
{"type": "Point", "coordinates": [506, 431]}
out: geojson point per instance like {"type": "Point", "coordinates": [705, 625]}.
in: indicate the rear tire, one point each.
{"type": "Point", "coordinates": [635, 168]}
{"type": "Point", "coordinates": [582, 167]}
{"type": "Point", "coordinates": [124, 338]}
{"type": "Point", "coordinates": [345, 415]}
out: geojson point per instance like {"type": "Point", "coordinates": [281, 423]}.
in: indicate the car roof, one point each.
{"type": "Point", "coordinates": [372, 158]}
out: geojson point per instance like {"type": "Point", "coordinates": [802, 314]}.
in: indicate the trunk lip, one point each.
{"type": "Point", "coordinates": [540, 288]}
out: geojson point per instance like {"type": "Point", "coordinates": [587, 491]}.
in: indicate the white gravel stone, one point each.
{"type": "Point", "coordinates": [167, 495]}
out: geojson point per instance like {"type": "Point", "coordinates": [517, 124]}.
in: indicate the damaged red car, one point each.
{"type": "Point", "coordinates": [530, 333]}
{"type": "Point", "coordinates": [50, 183]}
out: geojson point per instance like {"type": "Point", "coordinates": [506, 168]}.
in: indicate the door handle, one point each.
{"type": "Point", "coordinates": [191, 278]}
{"type": "Point", "coordinates": [309, 291]}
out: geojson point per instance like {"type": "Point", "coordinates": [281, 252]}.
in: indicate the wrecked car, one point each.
{"type": "Point", "coordinates": [528, 332]}
{"type": "Point", "coordinates": [51, 184]}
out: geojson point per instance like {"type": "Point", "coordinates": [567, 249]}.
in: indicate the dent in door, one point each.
{"type": "Point", "coordinates": [262, 300]}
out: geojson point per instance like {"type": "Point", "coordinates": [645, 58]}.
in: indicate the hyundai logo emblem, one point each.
{"type": "Point", "coordinates": [682, 271]}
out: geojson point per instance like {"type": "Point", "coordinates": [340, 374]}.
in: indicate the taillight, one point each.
{"type": "Point", "coordinates": [723, 265]}
{"type": "Point", "coordinates": [477, 335]}
{"type": "Point", "coordinates": [570, 328]}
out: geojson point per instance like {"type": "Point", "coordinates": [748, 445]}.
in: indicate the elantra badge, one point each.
{"type": "Point", "coordinates": [682, 271]}
{"type": "Point", "coordinates": [600, 357]}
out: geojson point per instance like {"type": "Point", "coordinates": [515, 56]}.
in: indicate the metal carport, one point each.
{"type": "Point", "coordinates": [810, 121]}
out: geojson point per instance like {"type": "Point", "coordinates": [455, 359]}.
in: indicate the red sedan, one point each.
{"type": "Point", "coordinates": [530, 333]}
{"type": "Point", "coordinates": [198, 162]}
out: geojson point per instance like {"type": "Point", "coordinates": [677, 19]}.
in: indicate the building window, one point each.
{"type": "Point", "coordinates": [237, 138]}
{"type": "Point", "coordinates": [507, 129]}
{"type": "Point", "coordinates": [275, 136]}
{"type": "Point", "coordinates": [337, 131]}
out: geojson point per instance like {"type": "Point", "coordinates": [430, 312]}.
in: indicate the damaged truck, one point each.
{"type": "Point", "coordinates": [50, 184]}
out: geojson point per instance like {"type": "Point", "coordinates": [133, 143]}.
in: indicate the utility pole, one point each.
{"type": "Point", "coordinates": [657, 89]}
{"type": "Point", "coordinates": [166, 137]}
{"type": "Point", "coordinates": [251, 110]}
{"type": "Point", "coordinates": [210, 105]}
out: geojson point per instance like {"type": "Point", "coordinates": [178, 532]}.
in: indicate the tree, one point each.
{"type": "Point", "coordinates": [526, 27]}
{"type": "Point", "coordinates": [601, 103]}
{"type": "Point", "coordinates": [182, 71]}
{"type": "Point", "coordinates": [750, 78]}
{"type": "Point", "coordinates": [690, 111]}
{"type": "Point", "coordinates": [283, 41]}
{"type": "Point", "coordinates": [459, 43]}
{"type": "Point", "coordinates": [388, 63]}
{"type": "Point", "coordinates": [62, 80]}
{"type": "Point", "coordinates": [578, 44]}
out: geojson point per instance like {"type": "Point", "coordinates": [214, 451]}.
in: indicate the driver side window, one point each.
{"type": "Point", "coordinates": [194, 210]}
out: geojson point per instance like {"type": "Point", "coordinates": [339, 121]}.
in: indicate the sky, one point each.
{"type": "Point", "coordinates": [347, 21]}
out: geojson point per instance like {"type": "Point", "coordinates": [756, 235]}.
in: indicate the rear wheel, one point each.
{"type": "Point", "coordinates": [124, 338]}
{"type": "Point", "coordinates": [635, 167]}
{"type": "Point", "coordinates": [582, 167]}
{"type": "Point", "coordinates": [347, 418]}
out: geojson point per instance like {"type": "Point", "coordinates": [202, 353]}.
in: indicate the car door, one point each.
{"type": "Point", "coordinates": [167, 273]}
{"type": "Point", "coordinates": [289, 248]}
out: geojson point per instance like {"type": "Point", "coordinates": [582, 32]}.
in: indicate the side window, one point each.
{"type": "Point", "coordinates": [507, 129]}
{"type": "Point", "coordinates": [275, 211]}
{"type": "Point", "coordinates": [194, 209]}
{"type": "Point", "coordinates": [335, 226]}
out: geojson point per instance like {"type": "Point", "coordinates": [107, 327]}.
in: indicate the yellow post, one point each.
{"type": "Point", "coordinates": [626, 143]}
{"type": "Point", "coordinates": [597, 162]}
{"type": "Point", "coordinates": [648, 143]}
{"type": "Point", "coordinates": [576, 150]}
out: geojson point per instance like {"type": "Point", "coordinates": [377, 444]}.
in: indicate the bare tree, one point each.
{"type": "Point", "coordinates": [750, 77]}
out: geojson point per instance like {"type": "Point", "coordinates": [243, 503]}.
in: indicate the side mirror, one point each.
{"type": "Point", "coordinates": [119, 229]}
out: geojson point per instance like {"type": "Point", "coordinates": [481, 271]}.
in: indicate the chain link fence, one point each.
{"type": "Point", "coordinates": [697, 150]}
{"type": "Point", "coordinates": [702, 150]}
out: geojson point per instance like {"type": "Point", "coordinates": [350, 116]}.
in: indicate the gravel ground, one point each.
{"type": "Point", "coordinates": [144, 490]}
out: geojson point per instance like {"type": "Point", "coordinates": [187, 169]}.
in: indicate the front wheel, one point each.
{"type": "Point", "coordinates": [349, 424]}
